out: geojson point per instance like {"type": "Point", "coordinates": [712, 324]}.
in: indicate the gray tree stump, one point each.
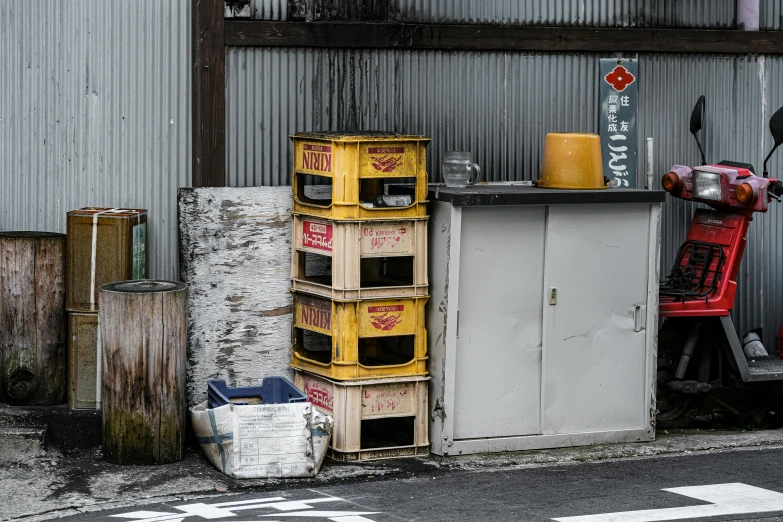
{"type": "Point", "coordinates": [143, 339]}
{"type": "Point", "coordinates": [33, 358]}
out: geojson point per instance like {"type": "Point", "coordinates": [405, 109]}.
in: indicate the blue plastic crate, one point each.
{"type": "Point", "coordinates": [273, 390]}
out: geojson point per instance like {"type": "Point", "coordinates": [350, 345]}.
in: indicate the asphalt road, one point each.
{"type": "Point", "coordinates": [534, 494]}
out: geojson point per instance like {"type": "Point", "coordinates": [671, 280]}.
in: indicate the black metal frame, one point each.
{"type": "Point", "coordinates": [684, 280]}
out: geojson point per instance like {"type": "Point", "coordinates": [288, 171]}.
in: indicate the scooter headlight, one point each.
{"type": "Point", "coordinates": [706, 185]}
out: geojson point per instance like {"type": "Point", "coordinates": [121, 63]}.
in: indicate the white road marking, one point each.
{"type": "Point", "coordinates": [259, 501]}
{"type": "Point", "coordinates": [725, 499]}
{"type": "Point", "coordinates": [206, 511]}
{"type": "Point", "coordinates": [223, 510]}
{"type": "Point", "coordinates": [152, 516]}
{"type": "Point", "coordinates": [350, 518]}
{"type": "Point", "coordinates": [142, 514]}
{"type": "Point", "coordinates": [331, 515]}
{"type": "Point", "coordinates": [291, 505]}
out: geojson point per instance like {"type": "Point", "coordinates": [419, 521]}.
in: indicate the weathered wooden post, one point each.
{"type": "Point", "coordinates": [143, 338]}
{"type": "Point", "coordinates": [32, 318]}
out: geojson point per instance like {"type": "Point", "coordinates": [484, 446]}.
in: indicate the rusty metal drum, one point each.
{"type": "Point", "coordinates": [104, 245]}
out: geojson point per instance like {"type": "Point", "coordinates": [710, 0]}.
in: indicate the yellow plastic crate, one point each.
{"type": "Point", "coordinates": [359, 339]}
{"type": "Point", "coordinates": [368, 259]}
{"type": "Point", "coordinates": [377, 419]}
{"type": "Point", "coordinates": [358, 166]}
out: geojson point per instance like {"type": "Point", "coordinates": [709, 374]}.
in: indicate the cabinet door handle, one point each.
{"type": "Point", "coordinates": [639, 317]}
{"type": "Point", "coordinates": [457, 323]}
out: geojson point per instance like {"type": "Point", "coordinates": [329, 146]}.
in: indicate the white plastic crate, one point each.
{"type": "Point", "coordinates": [373, 419]}
{"type": "Point", "coordinates": [368, 258]}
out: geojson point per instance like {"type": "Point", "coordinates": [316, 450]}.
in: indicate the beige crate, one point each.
{"type": "Point", "coordinates": [358, 251]}
{"type": "Point", "coordinates": [373, 419]}
{"type": "Point", "coordinates": [83, 361]}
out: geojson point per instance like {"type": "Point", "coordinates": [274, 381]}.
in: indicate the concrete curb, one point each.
{"type": "Point", "coordinates": [66, 429]}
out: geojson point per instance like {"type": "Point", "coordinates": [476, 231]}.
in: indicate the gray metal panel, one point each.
{"type": "Point", "coordinates": [771, 15]}
{"type": "Point", "coordinates": [499, 330]}
{"type": "Point", "coordinates": [439, 230]}
{"type": "Point", "coordinates": [269, 9]}
{"type": "Point", "coordinates": [592, 13]}
{"type": "Point", "coordinates": [95, 111]}
{"type": "Point", "coordinates": [595, 358]}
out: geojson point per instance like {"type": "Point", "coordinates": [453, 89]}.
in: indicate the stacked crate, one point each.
{"type": "Point", "coordinates": [359, 285]}
{"type": "Point", "coordinates": [103, 245]}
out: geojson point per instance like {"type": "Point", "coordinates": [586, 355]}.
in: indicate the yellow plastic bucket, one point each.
{"type": "Point", "coordinates": [572, 160]}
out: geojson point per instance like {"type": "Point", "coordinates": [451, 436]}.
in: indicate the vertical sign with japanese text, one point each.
{"type": "Point", "coordinates": [618, 100]}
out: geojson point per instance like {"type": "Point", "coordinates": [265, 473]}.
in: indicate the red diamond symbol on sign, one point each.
{"type": "Point", "coordinates": [619, 78]}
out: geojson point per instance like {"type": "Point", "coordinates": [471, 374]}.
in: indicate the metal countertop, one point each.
{"type": "Point", "coordinates": [507, 194]}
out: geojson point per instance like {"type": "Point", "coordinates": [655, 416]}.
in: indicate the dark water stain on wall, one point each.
{"type": "Point", "coordinates": [359, 90]}
{"type": "Point", "coordinates": [344, 10]}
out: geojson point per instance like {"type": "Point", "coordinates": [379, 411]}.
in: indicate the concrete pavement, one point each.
{"type": "Point", "coordinates": [717, 486]}
{"type": "Point", "coordinates": [54, 485]}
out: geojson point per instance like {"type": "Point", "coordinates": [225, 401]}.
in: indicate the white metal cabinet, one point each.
{"type": "Point", "coordinates": [511, 371]}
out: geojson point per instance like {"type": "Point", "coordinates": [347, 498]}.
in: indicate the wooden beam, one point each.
{"type": "Point", "coordinates": [500, 38]}
{"type": "Point", "coordinates": [209, 94]}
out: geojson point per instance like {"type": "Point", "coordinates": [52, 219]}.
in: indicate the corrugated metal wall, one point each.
{"type": "Point", "coordinates": [95, 110]}
{"type": "Point", "coordinates": [500, 106]}
{"type": "Point", "coordinates": [742, 93]}
{"type": "Point", "coordinates": [593, 13]}
{"type": "Point", "coordinates": [96, 106]}
{"type": "Point", "coordinates": [771, 15]}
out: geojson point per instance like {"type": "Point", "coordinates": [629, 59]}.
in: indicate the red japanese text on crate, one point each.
{"type": "Point", "coordinates": [382, 401]}
{"type": "Point", "coordinates": [317, 235]}
{"type": "Point", "coordinates": [316, 314]}
{"type": "Point", "coordinates": [380, 237]}
{"type": "Point", "coordinates": [386, 159]}
{"type": "Point", "coordinates": [317, 157]}
{"type": "Point", "coordinates": [383, 318]}
{"type": "Point", "coordinates": [319, 394]}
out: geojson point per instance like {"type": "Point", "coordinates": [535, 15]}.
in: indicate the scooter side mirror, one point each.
{"type": "Point", "coordinates": [697, 116]}
{"type": "Point", "coordinates": [776, 128]}
{"type": "Point", "coordinates": [697, 122]}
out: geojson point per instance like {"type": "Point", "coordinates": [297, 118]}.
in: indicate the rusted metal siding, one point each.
{"type": "Point", "coordinates": [95, 111]}
{"type": "Point", "coordinates": [500, 106]}
{"type": "Point", "coordinates": [592, 13]}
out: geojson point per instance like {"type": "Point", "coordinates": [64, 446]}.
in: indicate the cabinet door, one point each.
{"type": "Point", "coordinates": [498, 356]}
{"type": "Point", "coordinates": [593, 360]}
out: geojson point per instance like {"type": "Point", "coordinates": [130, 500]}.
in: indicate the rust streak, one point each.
{"type": "Point", "coordinates": [275, 312]}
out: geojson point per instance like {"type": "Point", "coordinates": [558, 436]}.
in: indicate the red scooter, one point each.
{"type": "Point", "coordinates": [703, 370]}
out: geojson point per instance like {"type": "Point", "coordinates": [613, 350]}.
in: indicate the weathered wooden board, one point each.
{"type": "Point", "coordinates": [32, 318]}
{"type": "Point", "coordinates": [235, 254]}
